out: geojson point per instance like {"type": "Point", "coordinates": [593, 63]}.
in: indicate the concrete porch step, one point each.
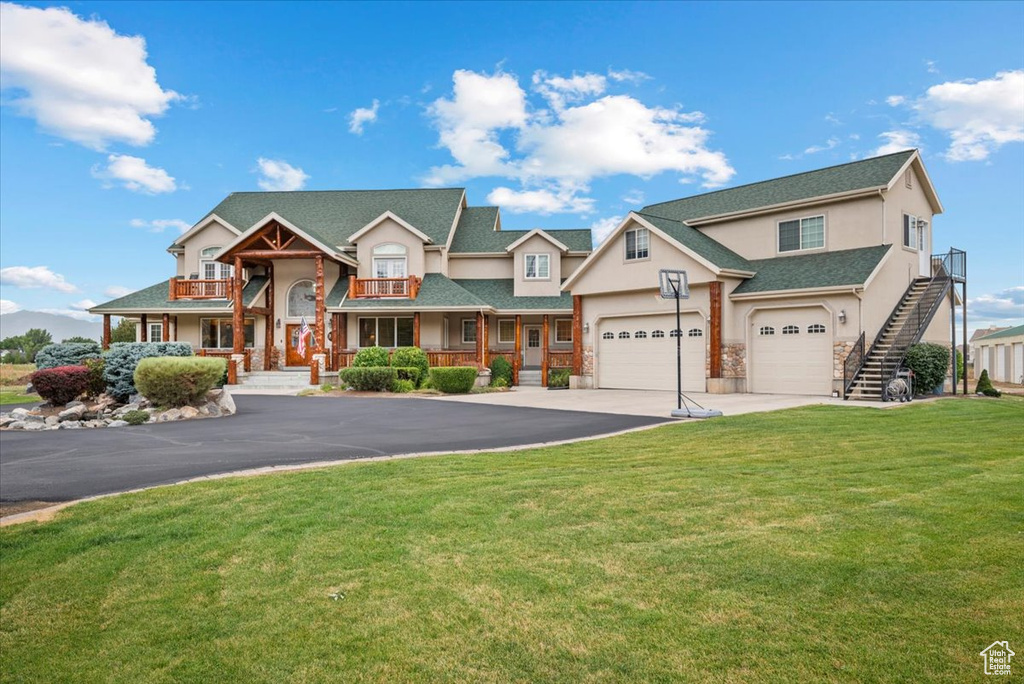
{"type": "Point", "coordinates": [529, 378]}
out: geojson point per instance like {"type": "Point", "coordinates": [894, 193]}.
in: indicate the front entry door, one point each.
{"type": "Point", "coordinates": [533, 345]}
{"type": "Point", "coordinates": [292, 356]}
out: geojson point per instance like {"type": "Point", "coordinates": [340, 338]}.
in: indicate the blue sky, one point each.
{"type": "Point", "coordinates": [122, 123]}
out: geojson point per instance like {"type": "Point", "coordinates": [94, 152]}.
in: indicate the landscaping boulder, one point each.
{"type": "Point", "coordinates": [34, 426]}
{"type": "Point", "coordinates": [188, 412]}
{"type": "Point", "coordinates": [51, 420]}
{"type": "Point", "coordinates": [16, 425]}
{"type": "Point", "coordinates": [19, 413]}
{"type": "Point", "coordinates": [223, 400]}
{"type": "Point", "coordinates": [69, 425]}
{"type": "Point", "coordinates": [117, 423]}
{"type": "Point", "coordinates": [6, 420]}
{"type": "Point", "coordinates": [169, 415]}
{"type": "Point", "coordinates": [73, 413]}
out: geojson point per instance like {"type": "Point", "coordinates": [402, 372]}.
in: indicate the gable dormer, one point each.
{"type": "Point", "coordinates": [537, 264]}
{"type": "Point", "coordinates": [200, 244]}
{"type": "Point", "coordinates": [390, 247]}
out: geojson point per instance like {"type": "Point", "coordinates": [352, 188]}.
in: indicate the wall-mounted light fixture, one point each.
{"type": "Point", "coordinates": [586, 327]}
{"type": "Point", "coordinates": [842, 315]}
{"type": "Point", "coordinates": [278, 324]}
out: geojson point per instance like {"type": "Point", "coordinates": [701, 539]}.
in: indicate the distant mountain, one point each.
{"type": "Point", "coordinates": [59, 327]}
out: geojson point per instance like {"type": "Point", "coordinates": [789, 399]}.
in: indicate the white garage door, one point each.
{"type": "Point", "coordinates": [639, 352]}
{"type": "Point", "coordinates": [791, 352]}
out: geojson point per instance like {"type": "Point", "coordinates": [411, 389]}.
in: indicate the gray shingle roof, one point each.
{"type": "Point", "coordinates": [1009, 332]}
{"type": "Point", "coordinates": [498, 292]}
{"type": "Point", "coordinates": [475, 234]}
{"type": "Point", "coordinates": [826, 269]}
{"type": "Point", "coordinates": [155, 297]}
{"type": "Point", "coordinates": [867, 173]}
{"type": "Point", "coordinates": [435, 291]}
{"type": "Point", "coordinates": [332, 215]}
{"type": "Point", "coordinates": [707, 247]}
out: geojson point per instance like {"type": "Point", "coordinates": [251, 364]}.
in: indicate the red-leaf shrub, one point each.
{"type": "Point", "coordinates": [61, 384]}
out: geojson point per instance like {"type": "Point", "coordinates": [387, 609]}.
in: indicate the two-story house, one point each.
{"type": "Point", "coordinates": [363, 268]}
{"type": "Point", "coordinates": [809, 284]}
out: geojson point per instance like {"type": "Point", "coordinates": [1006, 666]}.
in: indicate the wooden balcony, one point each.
{"type": "Point", "coordinates": [200, 289]}
{"type": "Point", "coordinates": [383, 288]}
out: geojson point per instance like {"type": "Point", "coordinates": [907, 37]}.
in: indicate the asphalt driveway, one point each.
{"type": "Point", "coordinates": [63, 465]}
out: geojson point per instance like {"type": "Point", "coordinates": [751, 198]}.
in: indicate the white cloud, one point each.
{"type": "Point", "coordinates": [79, 79]}
{"type": "Point", "coordinates": [490, 130]}
{"type": "Point", "coordinates": [82, 305]}
{"type": "Point", "coordinates": [117, 291]}
{"type": "Point", "coordinates": [897, 141]}
{"type": "Point", "coordinates": [135, 174]}
{"type": "Point", "coordinates": [833, 119]}
{"type": "Point", "coordinates": [602, 228]}
{"type": "Point", "coordinates": [362, 116]}
{"type": "Point", "coordinates": [7, 306]}
{"type": "Point", "coordinates": [540, 201]}
{"type": "Point", "coordinates": [895, 100]}
{"type": "Point", "coordinates": [35, 277]}
{"type": "Point", "coordinates": [979, 116]}
{"type": "Point", "coordinates": [931, 66]}
{"type": "Point", "coordinates": [160, 225]}
{"type": "Point", "coordinates": [634, 77]}
{"type": "Point", "coordinates": [830, 144]}
{"type": "Point", "coordinates": [1007, 305]}
{"type": "Point", "coordinates": [634, 197]}
{"type": "Point", "coordinates": [279, 175]}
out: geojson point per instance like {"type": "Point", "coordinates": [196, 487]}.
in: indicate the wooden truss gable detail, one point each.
{"type": "Point", "coordinates": [271, 239]}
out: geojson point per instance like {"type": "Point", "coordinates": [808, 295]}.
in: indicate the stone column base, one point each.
{"type": "Point", "coordinates": [727, 385]}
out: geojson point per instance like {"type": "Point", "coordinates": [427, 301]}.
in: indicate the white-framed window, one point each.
{"type": "Point", "coordinates": [800, 234]}
{"type": "Point", "coordinates": [213, 270]}
{"type": "Point", "coordinates": [640, 334]}
{"type": "Point", "coordinates": [537, 266]}
{"type": "Point", "coordinates": [468, 331]}
{"type": "Point", "coordinates": [638, 244]}
{"type": "Point", "coordinates": [913, 231]}
{"type": "Point", "coordinates": [506, 330]}
{"type": "Point", "coordinates": [386, 331]}
{"type": "Point", "coordinates": [791, 330]}
{"type": "Point", "coordinates": [390, 261]}
{"type": "Point", "coordinates": [816, 329]}
{"type": "Point", "coordinates": [767, 330]}
{"type": "Point", "coordinates": [563, 330]}
{"type": "Point", "coordinates": [608, 336]}
{"type": "Point", "coordinates": [301, 299]}
{"type": "Point", "coordinates": [219, 333]}
{"type": "Point", "coordinates": [695, 332]}
{"type": "Point", "coordinates": [657, 333]}
{"type": "Point", "coordinates": [155, 332]}
{"type": "Point", "coordinates": [675, 333]}
{"type": "Point", "coordinates": [623, 335]}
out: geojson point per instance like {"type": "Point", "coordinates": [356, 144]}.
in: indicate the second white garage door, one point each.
{"type": "Point", "coordinates": [639, 352]}
{"type": "Point", "coordinates": [791, 351]}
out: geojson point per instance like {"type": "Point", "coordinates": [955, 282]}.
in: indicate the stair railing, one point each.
{"type": "Point", "coordinates": [851, 371]}
{"type": "Point", "coordinates": [852, 365]}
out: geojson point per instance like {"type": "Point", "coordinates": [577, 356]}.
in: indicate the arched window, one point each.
{"type": "Point", "coordinates": [695, 332]}
{"type": "Point", "coordinates": [210, 269]}
{"type": "Point", "coordinates": [641, 335]}
{"type": "Point", "coordinates": [623, 335]}
{"type": "Point", "coordinates": [791, 330]}
{"type": "Point", "coordinates": [675, 333]}
{"type": "Point", "coordinates": [302, 299]}
{"type": "Point", "coordinates": [657, 333]}
{"type": "Point", "coordinates": [816, 329]}
{"type": "Point", "coordinates": [608, 336]}
{"type": "Point", "coordinates": [767, 330]}
{"type": "Point", "coordinates": [390, 261]}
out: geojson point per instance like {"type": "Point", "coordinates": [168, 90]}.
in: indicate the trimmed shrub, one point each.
{"type": "Point", "coordinates": [369, 379]}
{"type": "Point", "coordinates": [411, 357]}
{"type": "Point", "coordinates": [123, 357]}
{"type": "Point", "coordinates": [930, 362]}
{"type": "Point", "coordinates": [559, 377]}
{"type": "Point", "coordinates": [371, 357]}
{"type": "Point", "coordinates": [985, 386]}
{"type": "Point", "coordinates": [501, 369]}
{"type": "Point", "coordinates": [176, 381]}
{"type": "Point", "coordinates": [453, 380]}
{"type": "Point", "coordinates": [67, 354]}
{"type": "Point", "coordinates": [403, 386]}
{"type": "Point", "coordinates": [96, 383]}
{"type": "Point", "coordinates": [61, 384]}
{"type": "Point", "coordinates": [500, 383]}
{"type": "Point", "coordinates": [408, 373]}
{"type": "Point", "coordinates": [136, 417]}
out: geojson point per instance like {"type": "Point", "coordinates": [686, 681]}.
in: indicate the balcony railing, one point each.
{"type": "Point", "coordinates": [200, 289]}
{"type": "Point", "coordinates": [383, 288]}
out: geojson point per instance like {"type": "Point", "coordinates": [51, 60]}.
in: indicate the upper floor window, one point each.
{"type": "Point", "coordinates": [213, 270]}
{"type": "Point", "coordinates": [805, 233]}
{"type": "Point", "coordinates": [913, 232]}
{"type": "Point", "coordinates": [302, 299]}
{"type": "Point", "coordinates": [390, 260]}
{"type": "Point", "coordinates": [538, 266]}
{"type": "Point", "coordinates": [638, 244]}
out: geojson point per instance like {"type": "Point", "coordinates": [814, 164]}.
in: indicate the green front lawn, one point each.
{"type": "Point", "coordinates": [815, 544]}
{"type": "Point", "coordinates": [9, 395]}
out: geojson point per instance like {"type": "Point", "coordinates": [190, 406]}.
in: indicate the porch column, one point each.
{"type": "Point", "coordinates": [517, 360]}
{"type": "Point", "coordinates": [342, 335]}
{"type": "Point", "coordinates": [106, 331]}
{"type": "Point", "coordinates": [268, 333]}
{"type": "Point", "coordinates": [487, 342]}
{"type": "Point", "coordinates": [175, 338]}
{"type": "Point", "coordinates": [337, 334]}
{"type": "Point", "coordinates": [143, 329]}
{"type": "Point", "coordinates": [416, 329]}
{"type": "Point", "coordinates": [716, 328]}
{"type": "Point", "coordinates": [321, 343]}
{"type": "Point", "coordinates": [577, 334]}
{"type": "Point", "coordinates": [167, 328]}
{"type": "Point", "coordinates": [544, 353]}
{"type": "Point", "coordinates": [238, 321]}
{"type": "Point", "coordinates": [480, 339]}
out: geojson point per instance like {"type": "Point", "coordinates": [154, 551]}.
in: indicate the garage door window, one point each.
{"type": "Point", "coordinates": [657, 333]}
{"type": "Point", "coordinates": [767, 330]}
{"type": "Point", "coordinates": [608, 336]}
{"type": "Point", "coordinates": [816, 329]}
{"type": "Point", "coordinates": [641, 335]}
{"type": "Point", "coordinates": [695, 332]}
{"type": "Point", "coordinates": [623, 335]}
{"type": "Point", "coordinates": [791, 330]}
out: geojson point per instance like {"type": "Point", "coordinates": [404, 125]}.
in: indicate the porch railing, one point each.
{"type": "Point", "coordinates": [447, 357]}
{"type": "Point", "coordinates": [559, 359]}
{"type": "Point", "coordinates": [372, 288]}
{"type": "Point", "coordinates": [226, 354]}
{"type": "Point", "coordinates": [200, 289]}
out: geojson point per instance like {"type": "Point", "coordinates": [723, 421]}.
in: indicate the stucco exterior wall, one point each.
{"type": "Point", "coordinates": [213, 235]}
{"type": "Point", "coordinates": [480, 267]}
{"type": "Point", "coordinates": [389, 231]}
{"type": "Point", "coordinates": [287, 272]}
{"type": "Point", "coordinates": [539, 287]}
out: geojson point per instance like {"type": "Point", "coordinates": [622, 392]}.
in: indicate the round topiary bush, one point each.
{"type": "Point", "coordinates": [370, 357]}
{"type": "Point", "coordinates": [177, 381]}
{"type": "Point", "coordinates": [411, 357]}
{"type": "Point", "coordinates": [501, 369]}
{"type": "Point", "coordinates": [123, 357]}
{"type": "Point", "coordinates": [453, 380]}
{"type": "Point", "coordinates": [61, 384]}
{"type": "Point", "coordinates": [930, 363]}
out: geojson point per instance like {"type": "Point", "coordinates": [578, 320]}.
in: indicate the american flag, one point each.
{"type": "Point", "coordinates": [304, 332]}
